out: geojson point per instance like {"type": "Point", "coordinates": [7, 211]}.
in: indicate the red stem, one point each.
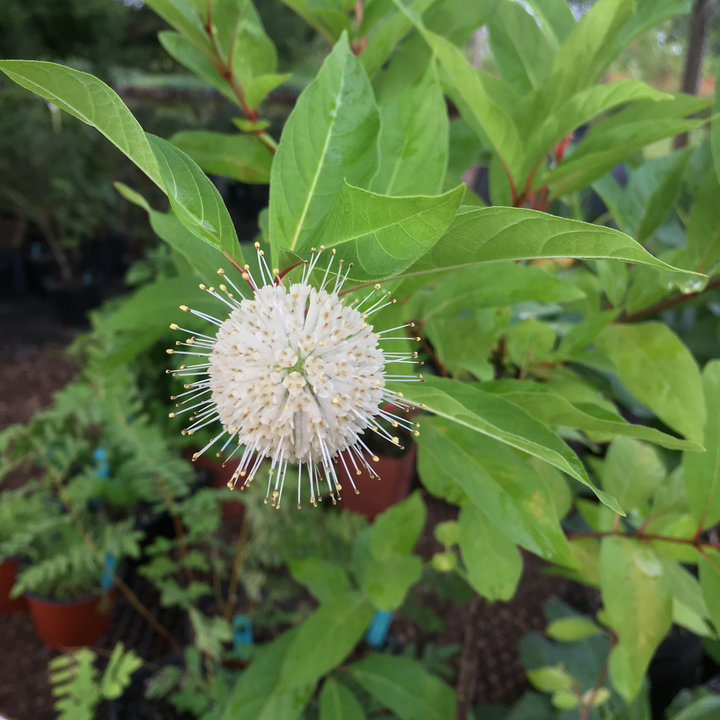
{"type": "Point", "coordinates": [636, 535]}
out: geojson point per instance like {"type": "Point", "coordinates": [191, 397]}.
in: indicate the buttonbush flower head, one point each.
{"type": "Point", "coordinates": [294, 375]}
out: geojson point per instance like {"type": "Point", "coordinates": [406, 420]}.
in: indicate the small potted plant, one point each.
{"type": "Point", "coordinates": [68, 581]}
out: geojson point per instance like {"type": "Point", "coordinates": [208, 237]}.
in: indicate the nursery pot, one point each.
{"type": "Point", "coordinates": [8, 605]}
{"type": "Point", "coordinates": [73, 623]}
{"type": "Point", "coordinates": [377, 495]}
{"type": "Point", "coordinates": [220, 477]}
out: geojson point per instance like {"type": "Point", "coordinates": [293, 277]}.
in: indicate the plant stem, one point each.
{"type": "Point", "coordinates": [177, 523]}
{"type": "Point", "coordinates": [468, 660]}
{"type": "Point", "coordinates": [696, 542]}
{"type": "Point", "coordinates": [587, 708]}
{"type": "Point", "coordinates": [667, 304]}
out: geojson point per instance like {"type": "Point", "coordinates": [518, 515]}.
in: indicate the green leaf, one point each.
{"type": "Point", "coordinates": [508, 490]}
{"type": "Point", "coordinates": [572, 629]}
{"type": "Point", "coordinates": [702, 471]}
{"type": "Point", "coordinates": [502, 233]}
{"type": "Point", "coordinates": [387, 582]}
{"type": "Point", "coordinates": [520, 48]}
{"type": "Point", "coordinates": [529, 342]}
{"type": "Point", "coordinates": [704, 709]}
{"type": "Point", "coordinates": [638, 605]}
{"type": "Point", "coordinates": [262, 86]}
{"type": "Point", "coordinates": [613, 276]}
{"type": "Point", "coordinates": [329, 22]}
{"type": "Point", "coordinates": [383, 41]}
{"type": "Point", "coordinates": [397, 529]}
{"type": "Point", "coordinates": [210, 633]}
{"type": "Point", "coordinates": [632, 472]}
{"type": "Point", "coordinates": [403, 686]}
{"type": "Point", "coordinates": [556, 17]}
{"type": "Point", "coordinates": [496, 417]}
{"type": "Point", "coordinates": [325, 639]}
{"type": "Point", "coordinates": [183, 17]}
{"type": "Point", "coordinates": [195, 200]}
{"type": "Point", "coordinates": [616, 137]}
{"type": "Point", "coordinates": [582, 334]}
{"type": "Point", "coordinates": [703, 226]}
{"type": "Point", "coordinates": [715, 132]}
{"type": "Point", "coordinates": [582, 107]}
{"type": "Point", "coordinates": [242, 157]}
{"type": "Point", "coordinates": [255, 695]}
{"type": "Point", "coordinates": [90, 100]}
{"type": "Point", "coordinates": [414, 139]}
{"type": "Point", "coordinates": [496, 285]}
{"type": "Point", "coordinates": [330, 136]}
{"type": "Point", "coordinates": [182, 50]}
{"type": "Point", "coordinates": [338, 703]}
{"type": "Point", "coordinates": [323, 579]}
{"type": "Point", "coordinates": [493, 563]}
{"type": "Point", "coordinates": [550, 679]}
{"type": "Point", "coordinates": [658, 370]}
{"type": "Point", "coordinates": [685, 587]}
{"type": "Point", "coordinates": [554, 410]}
{"type": "Point", "coordinates": [382, 235]}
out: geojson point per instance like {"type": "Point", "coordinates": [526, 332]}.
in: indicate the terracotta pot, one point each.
{"type": "Point", "coordinates": [375, 495]}
{"type": "Point", "coordinates": [73, 623]}
{"type": "Point", "coordinates": [220, 478]}
{"type": "Point", "coordinates": [8, 605]}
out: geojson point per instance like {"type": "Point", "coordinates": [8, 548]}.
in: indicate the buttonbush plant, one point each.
{"type": "Point", "coordinates": [565, 303]}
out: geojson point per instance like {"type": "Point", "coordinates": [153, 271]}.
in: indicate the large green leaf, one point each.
{"type": "Point", "coordinates": [638, 605]}
{"type": "Point", "coordinates": [493, 563]}
{"type": "Point", "coordinates": [255, 697]}
{"type": "Point", "coordinates": [657, 369]}
{"type": "Point", "coordinates": [382, 235]}
{"type": "Point", "coordinates": [556, 18]}
{"type": "Point", "coordinates": [414, 138]}
{"type": "Point", "coordinates": [397, 529]}
{"type": "Point", "coordinates": [509, 491]}
{"type": "Point", "coordinates": [325, 639]}
{"type": "Point", "coordinates": [702, 471]}
{"type": "Point", "coordinates": [402, 685]}
{"type": "Point", "coordinates": [554, 410]}
{"type": "Point", "coordinates": [614, 138]}
{"type": "Point", "coordinates": [93, 102]}
{"type": "Point", "coordinates": [520, 48]}
{"type": "Point", "coordinates": [194, 199]}
{"type": "Point", "coordinates": [502, 233]}
{"type": "Point", "coordinates": [632, 472]}
{"type": "Point", "coordinates": [242, 157]}
{"type": "Point", "coordinates": [339, 703]}
{"type": "Point", "coordinates": [326, 17]}
{"type": "Point", "coordinates": [183, 17]}
{"type": "Point", "coordinates": [498, 418]}
{"type": "Point", "coordinates": [323, 579]}
{"type": "Point", "coordinates": [330, 136]}
{"type": "Point", "coordinates": [703, 226]}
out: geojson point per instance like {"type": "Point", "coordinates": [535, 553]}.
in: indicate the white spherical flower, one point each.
{"type": "Point", "coordinates": [296, 376]}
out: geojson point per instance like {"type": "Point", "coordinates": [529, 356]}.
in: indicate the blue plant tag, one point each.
{"type": "Point", "coordinates": [102, 466]}
{"type": "Point", "coordinates": [242, 636]}
{"type": "Point", "coordinates": [378, 630]}
{"type": "Point", "coordinates": [108, 571]}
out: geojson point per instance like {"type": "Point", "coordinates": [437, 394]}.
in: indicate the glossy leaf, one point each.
{"type": "Point", "coordinates": [572, 629]}
{"type": "Point", "coordinates": [493, 563]}
{"type": "Point", "coordinates": [262, 86]}
{"type": "Point", "coordinates": [496, 417]}
{"type": "Point", "coordinates": [325, 639]}
{"type": "Point", "coordinates": [90, 100]}
{"type": "Point", "coordinates": [703, 227]}
{"type": "Point", "coordinates": [382, 235]}
{"type": "Point", "coordinates": [496, 285]}
{"type": "Point", "coordinates": [509, 491]}
{"type": "Point", "coordinates": [658, 370]}
{"type": "Point", "coordinates": [330, 136]}
{"type": "Point", "coordinates": [414, 138]}
{"type": "Point", "coordinates": [194, 199]}
{"type": "Point", "coordinates": [702, 471]}
{"type": "Point", "coordinates": [632, 472]}
{"type": "Point", "coordinates": [402, 685]}
{"type": "Point", "coordinates": [329, 21]}
{"type": "Point", "coordinates": [501, 233]}
{"type": "Point", "coordinates": [339, 703]}
{"type": "Point", "coordinates": [638, 605]}
{"type": "Point", "coordinates": [242, 157]}
{"type": "Point", "coordinates": [324, 579]}
{"type": "Point", "coordinates": [520, 48]}
{"type": "Point", "coordinates": [554, 410]}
